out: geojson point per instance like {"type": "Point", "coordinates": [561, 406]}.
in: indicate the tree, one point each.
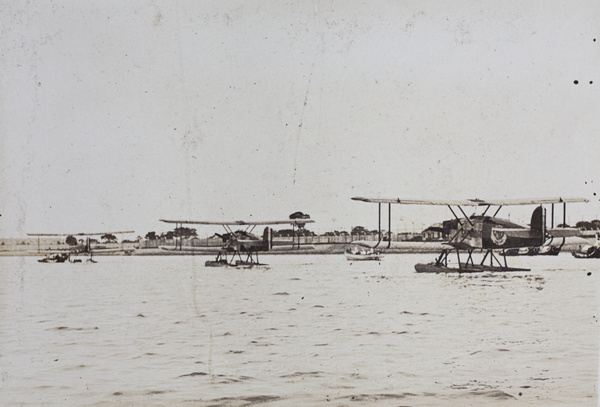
{"type": "Point", "coordinates": [110, 238]}
{"type": "Point", "coordinates": [185, 232]}
{"type": "Point", "coordinates": [299, 215]}
{"type": "Point", "coordinates": [583, 225]}
{"type": "Point", "coordinates": [151, 236]}
{"type": "Point", "coordinates": [359, 230]}
{"type": "Point", "coordinates": [71, 241]}
{"type": "Point", "coordinates": [283, 233]}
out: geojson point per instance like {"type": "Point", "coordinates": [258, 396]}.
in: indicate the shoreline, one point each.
{"type": "Point", "coordinates": [315, 249]}
{"type": "Point", "coordinates": [398, 248]}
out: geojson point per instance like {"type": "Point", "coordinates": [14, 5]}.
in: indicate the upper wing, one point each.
{"type": "Point", "coordinates": [240, 222]}
{"type": "Point", "coordinates": [472, 202]}
{"type": "Point", "coordinates": [533, 201]}
{"type": "Point", "coordinates": [463, 202]}
{"type": "Point", "coordinates": [78, 234]}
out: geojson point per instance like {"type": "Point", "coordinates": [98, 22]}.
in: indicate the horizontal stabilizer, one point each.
{"type": "Point", "coordinates": [564, 232]}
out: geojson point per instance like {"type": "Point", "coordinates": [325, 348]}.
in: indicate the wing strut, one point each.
{"type": "Point", "coordinates": [294, 233]}
{"type": "Point", "coordinates": [379, 223]}
{"type": "Point", "coordinates": [463, 212]}
{"type": "Point", "coordinates": [389, 233]}
{"type": "Point", "coordinates": [180, 236]}
{"type": "Point", "coordinates": [389, 226]}
{"type": "Point", "coordinates": [453, 213]}
{"type": "Point", "coordinates": [466, 217]}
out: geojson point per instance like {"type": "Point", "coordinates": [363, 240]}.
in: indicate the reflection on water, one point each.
{"type": "Point", "coordinates": [307, 330]}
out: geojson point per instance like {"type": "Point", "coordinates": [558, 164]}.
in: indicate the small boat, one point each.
{"type": "Point", "coordinates": [359, 253]}
{"type": "Point", "coordinates": [545, 250]}
{"type": "Point", "coordinates": [55, 258]}
{"type": "Point", "coordinates": [548, 250]}
{"type": "Point", "coordinates": [588, 251]}
{"type": "Point", "coordinates": [520, 251]}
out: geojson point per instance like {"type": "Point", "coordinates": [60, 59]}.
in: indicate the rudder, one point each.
{"type": "Point", "coordinates": [538, 222]}
{"type": "Point", "coordinates": [268, 238]}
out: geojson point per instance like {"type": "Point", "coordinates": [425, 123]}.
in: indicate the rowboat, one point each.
{"type": "Point", "coordinates": [360, 253]}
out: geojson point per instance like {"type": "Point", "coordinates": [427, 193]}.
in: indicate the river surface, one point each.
{"type": "Point", "coordinates": [307, 331]}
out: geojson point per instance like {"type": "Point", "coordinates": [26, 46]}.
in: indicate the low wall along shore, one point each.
{"type": "Point", "coordinates": [308, 245]}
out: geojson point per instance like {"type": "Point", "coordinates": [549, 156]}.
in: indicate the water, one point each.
{"type": "Point", "coordinates": [307, 331]}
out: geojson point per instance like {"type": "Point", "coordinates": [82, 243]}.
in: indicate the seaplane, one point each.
{"type": "Point", "coordinates": [81, 247]}
{"type": "Point", "coordinates": [488, 234]}
{"type": "Point", "coordinates": [242, 242]}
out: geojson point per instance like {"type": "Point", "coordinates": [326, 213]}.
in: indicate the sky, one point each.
{"type": "Point", "coordinates": [114, 115]}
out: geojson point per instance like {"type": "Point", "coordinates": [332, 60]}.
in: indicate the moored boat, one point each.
{"type": "Point", "coordinates": [360, 253]}
{"type": "Point", "coordinates": [545, 250]}
{"type": "Point", "coordinates": [588, 251]}
{"type": "Point", "coordinates": [55, 258]}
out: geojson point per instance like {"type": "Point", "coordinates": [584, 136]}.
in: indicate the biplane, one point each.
{"type": "Point", "coordinates": [84, 247]}
{"type": "Point", "coordinates": [242, 241]}
{"type": "Point", "coordinates": [483, 233]}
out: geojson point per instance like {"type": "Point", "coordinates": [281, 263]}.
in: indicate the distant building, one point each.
{"type": "Point", "coordinates": [434, 232]}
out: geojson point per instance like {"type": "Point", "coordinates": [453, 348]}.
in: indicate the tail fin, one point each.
{"type": "Point", "coordinates": [268, 238]}
{"type": "Point", "coordinates": [538, 222]}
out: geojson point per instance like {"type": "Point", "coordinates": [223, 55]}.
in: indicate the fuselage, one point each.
{"type": "Point", "coordinates": [485, 232]}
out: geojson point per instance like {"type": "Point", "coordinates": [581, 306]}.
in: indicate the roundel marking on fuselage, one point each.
{"type": "Point", "coordinates": [498, 237]}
